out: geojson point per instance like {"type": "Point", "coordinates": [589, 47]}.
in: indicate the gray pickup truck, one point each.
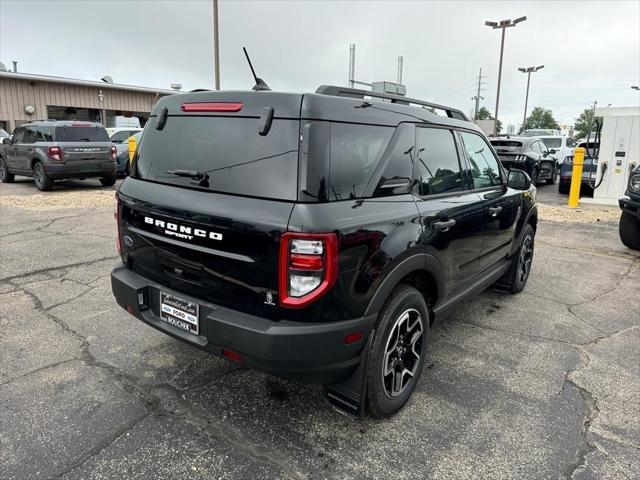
{"type": "Point", "coordinates": [54, 150]}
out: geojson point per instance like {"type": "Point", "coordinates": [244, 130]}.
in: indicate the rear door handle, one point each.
{"type": "Point", "coordinates": [443, 225]}
{"type": "Point", "coordinates": [495, 211]}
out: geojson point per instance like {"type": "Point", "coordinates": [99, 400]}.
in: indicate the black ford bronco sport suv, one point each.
{"type": "Point", "coordinates": [317, 236]}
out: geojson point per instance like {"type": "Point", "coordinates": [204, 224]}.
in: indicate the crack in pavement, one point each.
{"type": "Point", "coordinates": [154, 406]}
{"type": "Point", "coordinates": [51, 269]}
{"type": "Point", "coordinates": [591, 404]}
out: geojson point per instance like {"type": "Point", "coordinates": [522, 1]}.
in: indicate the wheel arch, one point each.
{"type": "Point", "coordinates": [421, 271]}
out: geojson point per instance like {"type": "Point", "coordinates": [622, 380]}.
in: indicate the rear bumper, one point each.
{"type": "Point", "coordinates": [301, 351]}
{"type": "Point", "coordinates": [630, 205]}
{"type": "Point", "coordinates": [80, 169]}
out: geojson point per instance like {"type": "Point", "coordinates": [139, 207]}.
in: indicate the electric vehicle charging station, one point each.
{"type": "Point", "coordinates": [619, 152]}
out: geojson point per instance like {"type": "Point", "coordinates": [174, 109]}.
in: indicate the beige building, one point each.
{"type": "Point", "coordinates": [25, 97]}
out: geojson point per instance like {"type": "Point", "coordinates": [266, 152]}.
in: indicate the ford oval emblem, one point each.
{"type": "Point", "coordinates": [128, 241]}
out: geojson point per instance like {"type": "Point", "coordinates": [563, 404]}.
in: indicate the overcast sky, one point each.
{"type": "Point", "coordinates": [591, 50]}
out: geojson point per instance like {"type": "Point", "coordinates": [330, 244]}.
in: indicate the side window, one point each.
{"type": "Point", "coordinates": [355, 154]}
{"type": "Point", "coordinates": [18, 133]}
{"type": "Point", "coordinates": [397, 161]}
{"type": "Point", "coordinates": [30, 135]}
{"type": "Point", "coordinates": [571, 142]}
{"type": "Point", "coordinates": [484, 166]}
{"type": "Point", "coordinates": [46, 134]}
{"type": "Point", "coordinates": [438, 165]}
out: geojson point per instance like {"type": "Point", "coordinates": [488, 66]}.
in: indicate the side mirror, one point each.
{"type": "Point", "coordinates": [6, 140]}
{"type": "Point", "coordinates": [552, 151]}
{"type": "Point", "coordinates": [403, 185]}
{"type": "Point", "coordinates": [518, 180]}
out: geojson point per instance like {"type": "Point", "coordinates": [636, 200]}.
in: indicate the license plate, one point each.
{"type": "Point", "coordinates": [179, 312]}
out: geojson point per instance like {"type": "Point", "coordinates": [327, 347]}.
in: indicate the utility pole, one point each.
{"type": "Point", "coordinates": [216, 49]}
{"type": "Point", "coordinates": [477, 97]}
{"type": "Point", "coordinates": [503, 24]}
{"type": "Point", "coordinates": [528, 71]}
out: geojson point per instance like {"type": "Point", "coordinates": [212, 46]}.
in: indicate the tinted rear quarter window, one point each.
{"type": "Point", "coordinates": [229, 150]}
{"type": "Point", "coordinates": [355, 153]}
{"type": "Point", "coordinates": [73, 133]}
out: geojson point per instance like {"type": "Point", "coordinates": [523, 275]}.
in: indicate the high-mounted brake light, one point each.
{"type": "Point", "coordinates": [55, 153]}
{"type": "Point", "coordinates": [212, 107]}
{"type": "Point", "coordinates": [81, 125]}
{"type": "Point", "coordinates": [308, 267]}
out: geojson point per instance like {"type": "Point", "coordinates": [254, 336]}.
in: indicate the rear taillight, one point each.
{"type": "Point", "coordinates": [308, 267]}
{"type": "Point", "coordinates": [55, 153]}
{"type": "Point", "coordinates": [114, 153]}
{"type": "Point", "coordinates": [116, 216]}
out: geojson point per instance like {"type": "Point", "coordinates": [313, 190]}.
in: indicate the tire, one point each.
{"type": "Point", "coordinates": [108, 181]}
{"type": "Point", "coordinates": [630, 230]}
{"type": "Point", "coordinates": [516, 277]}
{"type": "Point", "coordinates": [554, 176]}
{"type": "Point", "coordinates": [5, 176]}
{"type": "Point", "coordinates": [400, 342]}
{"type": "Point", "coordinates": [563, 188]}
{"type": "Point", "coordinates": [41, 179]}
{"type": "Point", "coordinates": [534, 177]}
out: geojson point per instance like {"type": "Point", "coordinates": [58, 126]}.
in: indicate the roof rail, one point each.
{"type": "Point", "coordinates": [337, 91]}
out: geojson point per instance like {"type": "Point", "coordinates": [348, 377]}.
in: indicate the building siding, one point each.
{"type": "Point", "coordinates": [15, 94]}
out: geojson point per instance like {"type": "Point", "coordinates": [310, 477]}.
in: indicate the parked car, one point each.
{"type": "Point", "coordinates": [4, 134]}
{"type": "Point", "coordinates": [120, 138]}
{"type": "Point", "coordinates": [119, 135]}
{"type": "Point", "coordinates": [589, 169]}
{"type": "Point", "coordinates": [317, 236]}
{"type": "Point", "coordinates": [563, 146]}
{"type": "Point", "coordinates": [123, 154]}
{"type": "Point", "coordinates": [528, 154]}
{"type": "Point", "coordinates": [52, 150]}
{"type": "Point", "coordinates": [630, 218]}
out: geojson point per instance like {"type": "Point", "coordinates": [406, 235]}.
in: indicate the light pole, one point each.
{"type": "Point", "coordinates": [503, 24]}
{"type": "Point", "coordinates": [216, 50]}
{"type": "Point", "coordinates": [528, 71]}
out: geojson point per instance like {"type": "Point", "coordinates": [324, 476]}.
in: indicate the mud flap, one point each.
{"type": "Point", "coordinates": [349, 396]}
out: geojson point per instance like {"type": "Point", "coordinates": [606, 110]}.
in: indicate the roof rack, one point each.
{"type": "Point", "coordinates": [337, 91]}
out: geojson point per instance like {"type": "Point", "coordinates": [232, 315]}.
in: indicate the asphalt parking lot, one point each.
{"type": "Point", "coordinates": [545, 384]}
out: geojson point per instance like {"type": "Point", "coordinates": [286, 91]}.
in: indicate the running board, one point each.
{"type": "Point", "coordinates": [349, 396]}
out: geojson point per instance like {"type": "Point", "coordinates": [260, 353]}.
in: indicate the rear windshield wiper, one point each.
{"type": "Point", "coordinates": [200, 176]}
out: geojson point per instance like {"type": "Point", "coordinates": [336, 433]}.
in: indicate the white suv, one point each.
{"type": "Point", "coordinates": [563, 146]}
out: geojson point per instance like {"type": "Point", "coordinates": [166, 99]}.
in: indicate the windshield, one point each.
{"type": "Point", "coordinates": [82, 133]}
{"type": "Point", "coordinates": [552, 142]}
{"type": "Point", "coordinates": [229, 152]}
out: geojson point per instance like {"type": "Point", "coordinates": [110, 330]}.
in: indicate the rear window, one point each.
{"type": "Point", "coordinates": [552, 142]}
{"type": "Point", "coordinates": [229, 150]}
{"type": "Point", "coordinates": [73, 133]}
{"type": "Point", "coordinates": [505, 143]}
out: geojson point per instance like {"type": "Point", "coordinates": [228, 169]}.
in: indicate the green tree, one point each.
{"type": "Point", "coordinates": [484, 114]}
{"type": "Point", "coordinates": [583, 122]}
{"type": "Point", "coordinates": [541, 118]}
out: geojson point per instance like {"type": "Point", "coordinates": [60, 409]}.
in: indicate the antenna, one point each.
{"type": "Point", "coordinates": [260, 85]}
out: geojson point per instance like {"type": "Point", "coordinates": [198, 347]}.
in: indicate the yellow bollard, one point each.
{"type": "Point", "coordinates": [132, 148]}
{"type": "Point", "coordinates": [576, 177]}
